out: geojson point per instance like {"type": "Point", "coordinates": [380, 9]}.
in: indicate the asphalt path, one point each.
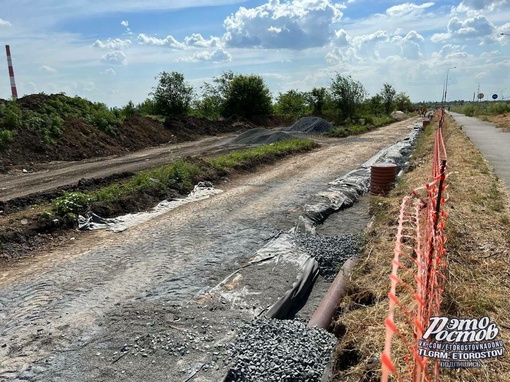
{"type": "Point", "coordinates": [493, 143]}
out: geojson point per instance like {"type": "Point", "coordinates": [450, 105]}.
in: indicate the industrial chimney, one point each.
{"type": "Point", "coordinates": [11, 73]}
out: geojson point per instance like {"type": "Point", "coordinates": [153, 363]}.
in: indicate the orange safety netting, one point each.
{"type": "Point", "coordinates": [418, 274]}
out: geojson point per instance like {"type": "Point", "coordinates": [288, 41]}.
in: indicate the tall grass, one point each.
{"type": "Point", "coordinates": [483, 108]}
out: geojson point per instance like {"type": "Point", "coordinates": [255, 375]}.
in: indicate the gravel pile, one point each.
{"type": "Point", "coordinates": [330, 252]}
{"type": "Point", "coordinates": [399, 115]}
{"type": "Point", "coordinates": [280, 350]}
{"type": "Point", "coordinates": [311, 125]}
{"type": "Point", "coordinates": [260, 136]}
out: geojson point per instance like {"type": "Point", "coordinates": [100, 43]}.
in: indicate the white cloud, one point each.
{"type": "Point", "coordinates": [219, 55]}
{"type": "Point", "coordinates": [372, 37]}
{"type": "Point", "coordinates": [114, 58]}
{"type": "Point", "coordinates": [197, 40]}
{"type": "Point", "coordinates": [124, 23]}
{"type": "Point", "coordinates": [294, 24]}
{"type": "Point", "coordinates": [87, 86]}
{"type": "Point", "coordinates": [109, 72]}
{"type": "Point", "coordinates": [450, 55]}
{"type": "Point", "coordinates": [345, 55]}
{"type": "Point", "coordinates": [410, 45]}
{"type": "Point", "coordinates": [475, 28]}
{"type": "Point", "coordinates": [5, 23]}
{"type": "Point", "coordinates": [341, 38]}
{"type": "Point", "coordinates": [380, 47]}
{"type": "Point", "coordinates": [414, 37]}
{"type": "Point", "coordinates": [169, 41]}
{"type": "Point", "coordinates": [440, 37]}
{"type": "Point", "coordinates": [47, 69]}
{"type": "Point", "coordinates": [112, 44]}
{"type": "Point", "coordinates": [483, 5]}
{"type": "Point", "coordinates": [407, 8]}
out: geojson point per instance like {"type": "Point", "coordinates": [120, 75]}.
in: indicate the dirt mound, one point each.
{"type": "Point", "coordinates": [188, 128]}
{"type": "Point", "coordinates": [260, 136]}
{"type": "Point", "coordinates": [79, 139]}
{"type": "Point", "coordinates": [311, 125]}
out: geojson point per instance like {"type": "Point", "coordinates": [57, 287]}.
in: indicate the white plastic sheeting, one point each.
{"type": "Point", "coordinates": [203, 190]}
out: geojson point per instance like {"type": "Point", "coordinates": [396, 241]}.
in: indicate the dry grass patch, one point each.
{"type": "Point", "coordinates": [502, 121]}
{"type": "Point", "coordinates": [478, 254]}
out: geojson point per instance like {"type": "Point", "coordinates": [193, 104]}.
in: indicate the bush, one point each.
{"type": "Point", "coordinates": [6, 137]}
{"type": "Point", "coordinates": [11, 116]}
{"type": "Point", "coordinates": [72, 202]}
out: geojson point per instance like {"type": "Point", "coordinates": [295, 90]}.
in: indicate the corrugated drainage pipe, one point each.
{"type": "Point", "coordinates": [324, 313]}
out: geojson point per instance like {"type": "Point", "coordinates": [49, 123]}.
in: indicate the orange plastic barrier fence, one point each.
{"type": "Point", "coordinates": [418, 274]}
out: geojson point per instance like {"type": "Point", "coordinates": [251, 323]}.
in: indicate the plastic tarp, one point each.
{"type": "Point", "coordinates": [345, 191]}
{"type": "Point", "coordinates": [285, 307]}
{"type": "Point", "coordinates": [91, 221]}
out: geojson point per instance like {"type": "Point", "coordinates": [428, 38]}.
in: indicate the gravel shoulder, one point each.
{"type": "Point", "coordinates": [68, 314]}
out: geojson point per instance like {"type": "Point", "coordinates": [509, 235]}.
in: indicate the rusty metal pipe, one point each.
{"type": "Point", "coordinates": [324, 313]}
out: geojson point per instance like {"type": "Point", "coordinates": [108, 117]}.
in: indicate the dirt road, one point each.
{"type": "Point", "coordinates": [109, 307]}
{"type": "Point", "coordinates": [53, 175]}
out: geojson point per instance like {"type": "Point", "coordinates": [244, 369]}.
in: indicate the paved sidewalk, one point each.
{"type": "Point", "coordinates": [492, 142]}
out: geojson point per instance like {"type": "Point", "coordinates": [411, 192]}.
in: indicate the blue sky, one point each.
{"type": "Point", "coordinates": [111, 51]}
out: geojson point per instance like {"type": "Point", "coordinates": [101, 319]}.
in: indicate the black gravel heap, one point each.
{"type": "Point", "coordinates": [280, 350]}
{"type": "Point", "coordinates": [330, 252]}
{"type": "Point", "coordinates": [311, 125]}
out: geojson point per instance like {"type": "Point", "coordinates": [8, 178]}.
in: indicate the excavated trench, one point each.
{"type": "Point", "coordinates": [165, 300]}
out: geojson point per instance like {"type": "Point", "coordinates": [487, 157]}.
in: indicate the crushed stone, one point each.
{"type": "Point", "coordinates": [279, 350]}
{"type": "Point", "coordinates": [311, 125]}
{"type": "Point", "coordinates": [330, 252]}
{"type": "Point", "coordinates": [261, 136]}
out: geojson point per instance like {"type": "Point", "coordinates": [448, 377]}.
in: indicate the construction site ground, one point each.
{"type": "Point", "coordinates": [93, 305]}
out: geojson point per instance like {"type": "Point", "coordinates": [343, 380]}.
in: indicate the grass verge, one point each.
{"type": "Point", "coordinates": [477, 248]}
{"type": "Point", "coordinates": [372, 123]}
{"type": "Point", "coordinates": [176, 178]}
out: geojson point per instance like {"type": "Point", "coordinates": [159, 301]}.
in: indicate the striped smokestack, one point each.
{"type": "Point", "coordinates": [11, 73]}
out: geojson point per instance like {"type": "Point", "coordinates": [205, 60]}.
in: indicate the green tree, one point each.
{"type": "Point", "coordinates": [245, 95]}
{"type": "Point", "coordinates": [347, 95]}
{"type": "Point", "coordinates": [317, 99]}
{"type": "Point", "coordinates": [173, 95]}
{"type": "Point", "coordinates": [147, 107]}
{"type": "Point", "coordinates": [291, 103]}
{"type": "Point", "coordinates": [210, 103]}
{"type": "Point", "coordinates": [403, 102]}
{"type": "Point", "coordinates": [388, 94]}
{"type": "Point", "coordinates": [375, 105]}
{"type": "Point", "coordinates": [129, 110]}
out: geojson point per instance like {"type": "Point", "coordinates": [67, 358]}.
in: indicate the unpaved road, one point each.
{"type": "Point", "coordinates": [66, 315]}
{"type": "Point", "coordinates": [57, 174]}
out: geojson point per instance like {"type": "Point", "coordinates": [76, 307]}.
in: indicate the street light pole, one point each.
{"type": "Point", "coordinates": [446, 83]}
